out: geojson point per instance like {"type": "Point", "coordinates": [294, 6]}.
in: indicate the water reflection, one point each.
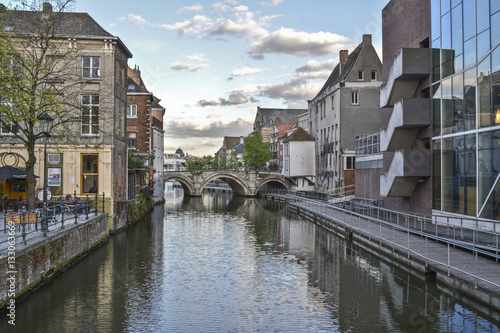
{"type": "Point", "coordinates": [227, 264]}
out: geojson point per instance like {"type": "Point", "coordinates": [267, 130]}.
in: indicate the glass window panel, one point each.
{"type": "Point", "coordinates": [447, 106]}
{"type": "Point", "coordinates": [436, 109]}
{"type": "Point", "coordinates": [483, 14]}
{"type": "Point", "coordinates": [484, 93]}
{"type": "Point", "coordinates": [436, 46]}
{"type": "Point", "coordinates": [449, 193]}
{"type": "Point", "coordinates": [469, 19]}
{"type": "Point", "coordinates": [445, 6]}
{"type": "Point", "coordinates": [483, 44]}
{"type": "Point", "coordinates": [86, 61]}
{"type": "Point", "coordinates": [85, 128]}
{"type": "Point", "coordinates": [488, 173]}
{"type": "Point", "coordinates": [495, 28]}
{"type": "Point", "coordinates": [470, 53]}
{"type": "Point", "coordinates": [436, 179]}
{"type": "Point", "coordinates": [458, 103]}
{"type": "Point", "coordinates": [456, 28]}
{"type": "Point", "coordinates": [446, 32]}
{"type": "Point", "coordinates": [459, 64]}
{"type": "Point", "coordinates": [495, 87]}
{"type": "Point", "coordinates": [455, 2]}
{"type": "Point", "coordinates": [495, 6]}
{"type": "Point", "coordinates": [447, 68]}
{"type": "Point", "coordinates": [435, 17]}
{"type": "Point", "coordinates": [470, 99]}
{"type": "Point", "coordinates": [85, 99]}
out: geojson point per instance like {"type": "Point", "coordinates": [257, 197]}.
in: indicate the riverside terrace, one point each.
{"type": "Point", "coordinates": [61, 214]}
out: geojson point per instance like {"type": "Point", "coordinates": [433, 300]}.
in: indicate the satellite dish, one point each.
{"type": "Point", "coordinates": [40, 194]}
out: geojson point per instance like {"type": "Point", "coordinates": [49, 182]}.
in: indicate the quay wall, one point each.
{"type": "Point", "coordinates": [44, 257]}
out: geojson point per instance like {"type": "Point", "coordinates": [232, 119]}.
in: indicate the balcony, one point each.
{"type": "Point", "coordinates": [407, 118]}
{"type": "Point", "coordinates": [408, 68]}
{"type": "Point", "coordinates": [408, 167]}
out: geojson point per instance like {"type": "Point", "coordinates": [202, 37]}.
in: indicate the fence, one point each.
{"type": "Point", "coordinates": [31, 223]}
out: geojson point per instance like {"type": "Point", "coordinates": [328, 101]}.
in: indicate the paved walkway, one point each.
{"type": "Point", "coordinates": [440, 257]}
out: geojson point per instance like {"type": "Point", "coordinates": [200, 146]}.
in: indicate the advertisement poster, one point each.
{"type": "Point", "coordinates": [54, 177]}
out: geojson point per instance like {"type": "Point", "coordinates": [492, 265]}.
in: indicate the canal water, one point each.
{"type": "Point", "coordinates": [227, 264]}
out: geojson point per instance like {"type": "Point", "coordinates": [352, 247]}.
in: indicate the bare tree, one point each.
{"type": "Point", "coordinates": [39, 73]}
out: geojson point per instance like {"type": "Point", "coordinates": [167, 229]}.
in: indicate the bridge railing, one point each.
{"type": "Point", "coordinates": [219, 168]}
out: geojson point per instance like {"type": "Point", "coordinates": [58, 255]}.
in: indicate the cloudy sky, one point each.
{"type": "Point", "coordinates": [212, 63]}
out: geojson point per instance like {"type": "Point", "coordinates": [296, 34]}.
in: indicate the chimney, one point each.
{"type": "Point", "coordinates": [47, 7]}
{"type": "Point", "coordinates": [367, 39]}
{"type": "Point", "coordinates": [134, 74]}
{"type": "Point", "coordinates": [343, 55]}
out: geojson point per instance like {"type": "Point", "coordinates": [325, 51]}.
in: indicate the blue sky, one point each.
{"type": "Point", "coordinates": [213, 62]}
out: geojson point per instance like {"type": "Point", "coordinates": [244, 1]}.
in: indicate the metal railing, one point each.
{"type": "Point", "coordinates": [26, 224]}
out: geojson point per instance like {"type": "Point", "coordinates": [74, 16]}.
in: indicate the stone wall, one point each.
{"type": "Point", "coordinates": [43, 257]}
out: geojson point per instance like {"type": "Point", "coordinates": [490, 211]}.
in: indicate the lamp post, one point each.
{"type": "Point", "coordinates": [45, 125]}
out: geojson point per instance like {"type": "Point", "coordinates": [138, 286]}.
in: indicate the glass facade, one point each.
{"type": "Point", "coordinates": [466, 107]}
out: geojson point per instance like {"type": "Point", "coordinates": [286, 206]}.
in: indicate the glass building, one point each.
{"type": "Point", "coordinates": [466, 107]}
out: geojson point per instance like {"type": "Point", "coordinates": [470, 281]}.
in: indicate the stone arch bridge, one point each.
{"type": "Point", "coordinates": [244, 183]}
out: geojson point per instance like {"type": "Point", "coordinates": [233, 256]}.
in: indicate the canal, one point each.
{"type": "Point", "coordinates": [227, 264]}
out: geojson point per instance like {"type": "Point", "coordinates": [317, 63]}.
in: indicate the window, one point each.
{"type": "Point", "coordinates": [374, 75]}
{"type": "Point", "coordinates": [7, 128]}
{"type": "Point", "coordinates": [349, 163]}
{"type": "Point", "coordinates": [131, 111]}
{"type": "Point", "coordinates": [90, 173]}
{"type": "Point", "coordinates": [90, 67]}
{"type": "Point", "coordinates": [355, 98]}
{"type": "Point", "coordinates": [90, 114]}
{"type": "Point", "coordinates": [132, 140]}
{"type": "Point", "coordinates": [360, 76]}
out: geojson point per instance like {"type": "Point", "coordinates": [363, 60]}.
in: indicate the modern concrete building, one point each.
{"type": "Point", "coordinates": [89, 154]}
{"type": "Point", "coordinates": [393, 166]}
{"type": "Point", "coordinates": [345, 107]}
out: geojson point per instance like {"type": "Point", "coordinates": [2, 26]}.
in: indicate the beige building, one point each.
{"type": "Point", "coordinates": [91, 155]}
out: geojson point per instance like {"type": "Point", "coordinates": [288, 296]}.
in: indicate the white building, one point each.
{"type": "Point", "coordinates": [298, 159]}
{"type": "Point", "coordinates": [175, 161]}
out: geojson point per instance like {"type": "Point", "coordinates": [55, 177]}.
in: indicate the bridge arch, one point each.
{"type": "Point", "coordinates": [186, 183]}
{"type": "Point", "coordinates": [237, 184]}
{"type": "Point", "coordinates": [273, 179]}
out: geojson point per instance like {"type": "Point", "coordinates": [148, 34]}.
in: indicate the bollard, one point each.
{"type": "Point", "coordinates": [62, 213]}
{"type": "Point", "coordinates": [23, 225]}
{"type": "Point", "coordinates": [87, 208]}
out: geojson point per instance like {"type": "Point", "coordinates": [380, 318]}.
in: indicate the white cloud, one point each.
{"type": "Point", "coordinates": [246, 71]}
{"type": "Point", "coordinates": [183, 67]}
{"type": "Point", "coordinates": [133, 20]}
{"type": "Point", "coordinates": [272, 3]}
{"type": "Point", "coordinates": [316, 69]}
{"type": "Point", "coordinates": [200, 57]}
{"type": "Point", "coordinates": [297, 43]}
{"type": "Point", "coordinates": [194, 8]}
{"type": "Point", "coordinates": [191, 28]}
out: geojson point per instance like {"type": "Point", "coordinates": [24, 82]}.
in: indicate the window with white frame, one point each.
{"type": "Point", "coordinates": [355, 98]}
{"type": "Point", "coordinates": [90, 67]}
{"type": "Point", "coordinates": [132, 111]}
{"type": "Point", "coordinates": [361, 76]}
{"type": "Point", "coordinates": [374, 75]}
{"type": "Point", "coordinates": [350, 162]}
{"type": "Point", "coordinates": [90, 114]}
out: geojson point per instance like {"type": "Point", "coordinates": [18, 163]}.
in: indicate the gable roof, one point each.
{"type": "Point", "coordinates": [299, 134]}
{"type": "Point", "coordinates": [336, 76]}
{"type": "Point", "coordinates": [66, 24]}
{"type": "Point", "coordinates": [265, 117]}
{"type": "Point", "coordinates": [283, 128]}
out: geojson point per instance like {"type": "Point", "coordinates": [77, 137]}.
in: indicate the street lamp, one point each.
{"type": "Point", "coordinates": [45, 126]}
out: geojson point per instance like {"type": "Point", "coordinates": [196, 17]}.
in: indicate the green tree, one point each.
{"type": "Point", "coordinates": [232, 160]}
{"type": "Point", "coordinates": [38, 74]}
{"type": "Point", "coordinates": [255, 151]}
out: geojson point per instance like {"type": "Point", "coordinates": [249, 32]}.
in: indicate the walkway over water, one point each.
{"type": "Point", "coordinates": [243, 183]}
{"type": "Point", "coordinates": [457, 260]}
